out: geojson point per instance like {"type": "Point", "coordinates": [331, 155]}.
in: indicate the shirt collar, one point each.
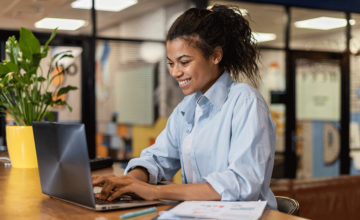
{"type": "Point", "coordinates": [217, 95]}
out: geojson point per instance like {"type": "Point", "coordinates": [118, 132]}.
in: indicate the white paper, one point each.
{"type": "Point", "coordinates": [216, 210]}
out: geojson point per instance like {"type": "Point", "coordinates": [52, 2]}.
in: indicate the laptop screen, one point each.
{"type": "Point", "coordinates": [64, 162]}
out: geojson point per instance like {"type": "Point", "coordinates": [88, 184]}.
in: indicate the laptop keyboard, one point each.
{"type": "Point", "coordinates": [121, 199]}
{"type": "Point", "coordinates": [105, 202]}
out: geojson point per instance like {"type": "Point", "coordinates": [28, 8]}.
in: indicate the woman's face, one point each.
{"type": "Point", "coordinates": [190, 68]}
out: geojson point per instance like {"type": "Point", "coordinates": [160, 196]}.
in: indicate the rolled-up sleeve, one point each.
{"type": "Point", "coordinates": [251, 150]}
{"type": "Point", "coordinates": [162, 159]}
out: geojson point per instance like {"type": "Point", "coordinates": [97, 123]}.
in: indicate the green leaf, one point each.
{"type": "Point", "coordinates": [65, 90]}
{"type": "Point", "coordinates": [28, 44]}
{"type": "Point", "coordinates": [44, 53]}
{"type": "Point", "coordinates": [58, 54]}
{"type": "Point", "coordinates": [70, 109]}
{"type": "Point", "coordinates": [13, 67]}
{"type": "Point", "coordinates": [47, 98]}
{"type": "Point", "coordinates": [66, 55]}
{"type": "Point", "coordinates": [3, 70]}
{"type": "Point", "coordinates": [41, 79]}
{"type": "Point", "coordinates": [24, 65]}
{"type": "Point", "coordinates": [60, 102]}
{"type": "Point", "coordinates": [50, 116]}
{"type": "Point", "coordinates": [50, 39]}
{"type": "Point", "coordinates": [27, 78]}
{"type": "Point", "coordinates": [36, 59]}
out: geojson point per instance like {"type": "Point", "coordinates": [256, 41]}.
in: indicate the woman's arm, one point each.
{"type": "Point", "coordinates": [140, 173]}
{"type": "Point", "coordinates": [162, 159]}
{"type": "Point", "coordinates": [115, 186]}
{"type": "Point", "coordinates": [188, 192]}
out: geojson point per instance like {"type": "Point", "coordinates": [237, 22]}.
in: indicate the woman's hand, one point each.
{"type": "Point", "coordinates": [99, 180]}
{"type": "Point", "coordinates": [114, 187]}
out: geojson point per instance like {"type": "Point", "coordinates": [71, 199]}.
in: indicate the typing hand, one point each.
{"type": "Point", "coordinates": [117, 186]}
{"type": "Point", "coordinates": [99, 180]}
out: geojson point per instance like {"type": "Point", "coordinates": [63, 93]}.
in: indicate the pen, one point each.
{"type": "Point", "coordinates": [137, 213]}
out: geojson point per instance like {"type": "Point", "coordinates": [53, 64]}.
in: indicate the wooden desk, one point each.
{"type": "Point", "coordinates": [21, 198]}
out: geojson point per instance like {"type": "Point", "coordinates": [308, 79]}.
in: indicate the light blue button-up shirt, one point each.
{"type": "Point", "coordinates": [233, 146]}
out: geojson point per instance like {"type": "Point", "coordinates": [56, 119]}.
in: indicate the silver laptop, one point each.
{"type": "Point", "coordinates": [64, 167]}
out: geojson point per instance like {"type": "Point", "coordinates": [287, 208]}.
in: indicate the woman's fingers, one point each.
{"type": "Point", "coordinates": [114, 187]}
{"type": "Point", "coordinates": [99, 180]}
{"type": "Point", "coordinates": [120, 191]}
{"type": "Point", "coordinates": [107, 188]}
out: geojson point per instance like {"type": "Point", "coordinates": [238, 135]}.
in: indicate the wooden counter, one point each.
{"type": "Point", "coordinates": [21, 198]}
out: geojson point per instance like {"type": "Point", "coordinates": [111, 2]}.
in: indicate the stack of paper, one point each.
{"type": "Point", "coordinates": [215, 210]}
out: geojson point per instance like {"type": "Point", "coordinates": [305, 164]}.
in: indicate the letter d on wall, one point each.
{"type": "Point", "coordinates": [331, 143]}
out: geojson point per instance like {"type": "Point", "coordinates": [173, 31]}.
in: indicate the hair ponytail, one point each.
{"type": "Point", "coordinates": [222, 26]}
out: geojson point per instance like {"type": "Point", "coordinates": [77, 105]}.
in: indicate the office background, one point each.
{"type": "Point", "coordinates": [309, 76]}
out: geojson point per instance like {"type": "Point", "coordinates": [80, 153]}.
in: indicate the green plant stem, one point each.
{"type": "Point", "coordinates": [12, 109]}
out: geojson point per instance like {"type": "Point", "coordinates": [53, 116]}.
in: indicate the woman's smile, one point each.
{"type": "Point", "coordinates": [184, 83]}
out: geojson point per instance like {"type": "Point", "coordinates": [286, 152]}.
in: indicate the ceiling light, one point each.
{"type": "Point", "coordinates": [62, 24]}
{"type": "Point", "coordinates": [323, 23]}
{"type": "Point", "coordinates": [262, 37]}
{"type": "Point", "coordinates": [104, 5]}
{"type": "Point", "coordinates": [242, 10]}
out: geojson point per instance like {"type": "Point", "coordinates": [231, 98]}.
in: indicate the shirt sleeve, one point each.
{"type": "Point", "coordinates": [162, 159]}
{"type": "Point", "coordinates": [251, 153]}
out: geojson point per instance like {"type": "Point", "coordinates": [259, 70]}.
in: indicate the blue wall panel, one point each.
{"type": "Point", "coordinates": [356, 118]}
{"type": "Point", "coordinates": [320, 169]}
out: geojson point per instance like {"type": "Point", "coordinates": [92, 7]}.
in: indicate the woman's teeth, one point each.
{"type": "Point", "coordinates": [183, 82]}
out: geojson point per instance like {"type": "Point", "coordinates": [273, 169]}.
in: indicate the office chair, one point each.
{"type": "Point", "coordinates": [288, 205]}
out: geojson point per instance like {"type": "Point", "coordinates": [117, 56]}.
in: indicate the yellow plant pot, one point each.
{"type": "Point", "coordinates": [21, 146]}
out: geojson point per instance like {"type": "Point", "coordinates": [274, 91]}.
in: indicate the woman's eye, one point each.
{"type": "Point", "coordinates": [184, 63]}
{"type": "Point", "coordinates": [170, 64]}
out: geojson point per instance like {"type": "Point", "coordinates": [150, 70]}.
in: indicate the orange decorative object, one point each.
{"type": "Point", "coordinates": [101, 150]}
{"type": "Point", "coordinates": [274, 64]}
{"type": "Point", "coordinates": [280, 126]}
{"type": "Point", "coordinates": [122, 130]}
{"type": "Point", "coordinates": [151, 141]}
{"type": "Point", "coordinates": [58, 80]}
{"type": "Point", "coordinates": [62, 97]}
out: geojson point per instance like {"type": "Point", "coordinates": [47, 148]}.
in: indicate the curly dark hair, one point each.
{"type": "Point", "coordinates": [224, 26]}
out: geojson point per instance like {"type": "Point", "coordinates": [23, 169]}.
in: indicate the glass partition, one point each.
{"type": "Point", "coordinates": [355, 96]}
{"type": "Point", "coordinates": [272, 71]}
{"type": "Point", "coordinates": [317, 30]}
{"type": "Point", "coordinates": [130, 96]}
{"type": "Point", "coordinates": [318, 101]}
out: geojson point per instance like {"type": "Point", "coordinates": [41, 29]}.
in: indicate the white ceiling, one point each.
{"type": "Point", "coordinates": [269, 18]}
{"type": "Point", "coordinates": [24, 13]}
{"type": "Point", "coordinates": [263, 18]}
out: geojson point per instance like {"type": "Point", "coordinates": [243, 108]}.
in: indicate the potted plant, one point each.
{"type": "Point", "coordinates": [24, 92]}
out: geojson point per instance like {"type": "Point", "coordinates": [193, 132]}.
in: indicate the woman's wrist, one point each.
{"type": "Point", "coordinates": [140, 173]}
{"type": "Point", "coordinates": [157, 192]}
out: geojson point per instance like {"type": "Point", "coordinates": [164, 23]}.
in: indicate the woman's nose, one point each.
{"type": "Point", "coordinates": [176, 72]}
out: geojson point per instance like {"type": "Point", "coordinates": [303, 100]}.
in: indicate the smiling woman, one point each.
{"type": "Point", "coordinates": [190, 68]}
{"type": "Point", "coordinates": [222, 134]}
